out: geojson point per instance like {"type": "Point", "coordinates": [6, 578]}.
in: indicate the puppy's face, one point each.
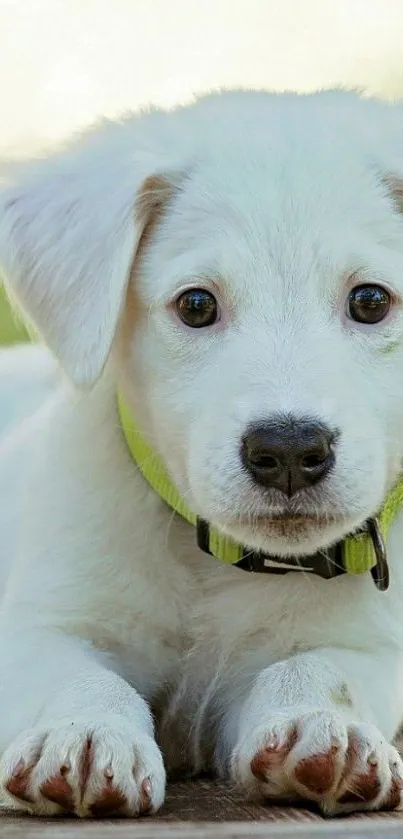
{"type": "Point", "coordinates": [261, 346]}
{"type": "Point", "coordinates": [267, 355]}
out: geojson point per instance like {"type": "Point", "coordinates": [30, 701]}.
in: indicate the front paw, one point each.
{"type": "Point", "coordinates": [317, 756]}
{"type": "Point", "coordinates": [99, 769]}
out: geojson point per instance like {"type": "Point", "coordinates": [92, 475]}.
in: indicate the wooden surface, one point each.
{"type": "Point", "coordinates": [208, 809]}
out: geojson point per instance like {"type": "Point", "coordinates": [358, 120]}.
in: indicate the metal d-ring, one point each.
{"type": "Point", "coordinates": [380, 571]}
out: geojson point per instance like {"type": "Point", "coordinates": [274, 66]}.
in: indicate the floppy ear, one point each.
{"type": "Point", "coordinates": [69, 230]}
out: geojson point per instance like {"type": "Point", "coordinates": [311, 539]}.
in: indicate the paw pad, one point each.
{"type": "Point", "coordinates": [317, 773]}
{"type": "Point", "coordinates": [58, 790]}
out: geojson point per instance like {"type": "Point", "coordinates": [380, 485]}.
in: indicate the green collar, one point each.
{"type": "Point", "coordinates": [356, 554]}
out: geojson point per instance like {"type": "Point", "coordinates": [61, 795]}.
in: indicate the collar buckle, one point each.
{"type": "Point", "coordinates": [203, 535]}
{"type": "Point", "coordinates": [380, 571]}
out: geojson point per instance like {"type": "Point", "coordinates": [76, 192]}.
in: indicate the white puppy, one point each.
{"type": "Point", "coordinates": [234, 270]}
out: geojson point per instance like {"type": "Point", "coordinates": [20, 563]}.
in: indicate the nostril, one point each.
{"type": "Point", "coordinates": [260, 456]}
{"type": "Point", "coordinates": [314, 460]}
{"type": "Point", "coordinates": [263, 461]}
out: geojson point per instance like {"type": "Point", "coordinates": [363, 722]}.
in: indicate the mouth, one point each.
{"type": "Point", "coordinates": [294, 532]}
{"type": "Point", "coordinates": [288, 525]}
{"type": "Point", "coordinates": [292, 519]}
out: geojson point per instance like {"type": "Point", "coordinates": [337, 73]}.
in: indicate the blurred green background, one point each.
{"type": "Point", "coordinates": [11, 329]}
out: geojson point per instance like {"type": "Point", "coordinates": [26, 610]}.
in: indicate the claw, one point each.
{"type": "Point", "coordinates": [146, 790]}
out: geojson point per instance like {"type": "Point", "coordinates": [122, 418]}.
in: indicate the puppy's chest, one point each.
{"type": "Point", "coordinates": [142, 623]}
{"type": "Point", "coordinates": [179, 620]}
{"type": "Point", "coordinates": [269, 617]}
{"type": "Point", "coordinates": [156, 623]}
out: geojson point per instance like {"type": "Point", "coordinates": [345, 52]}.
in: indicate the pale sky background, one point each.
{"type": "Point", "coordinates": [65, 62]}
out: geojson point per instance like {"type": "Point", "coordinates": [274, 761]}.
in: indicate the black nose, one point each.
{"type": "Point", "coordinates": [288, 454]}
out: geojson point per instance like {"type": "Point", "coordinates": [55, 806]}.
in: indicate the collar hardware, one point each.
{"type": "Point", "coordinates": [380, 571]}
{"type": "Point", "coordinates": [326, 564]}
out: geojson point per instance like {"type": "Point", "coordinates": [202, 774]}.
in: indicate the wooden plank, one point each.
{"type": "Point", "coordinates": [210, 810]}
{"type": "Point", "coordinates": [17, 828]}
{"type": "Point", "coordinates": [216, 801]}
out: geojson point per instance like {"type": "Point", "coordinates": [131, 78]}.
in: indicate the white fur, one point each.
{"type": "Point", "coordinates": [109, 608]}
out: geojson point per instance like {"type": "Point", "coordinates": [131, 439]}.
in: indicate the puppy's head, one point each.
{"type": "Point", "coordinates": [248, 253]}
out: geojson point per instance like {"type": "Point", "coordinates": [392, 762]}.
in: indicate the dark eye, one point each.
{"type": "Point", "coordinates": [368, 304]}
{"type": "Point", "coordinates": [197, 308]}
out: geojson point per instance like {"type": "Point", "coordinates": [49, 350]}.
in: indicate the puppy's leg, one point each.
{"type": "Point", "coordinates": [309, 730]}
{"type": "Point", "coordinates": [74, 735]}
